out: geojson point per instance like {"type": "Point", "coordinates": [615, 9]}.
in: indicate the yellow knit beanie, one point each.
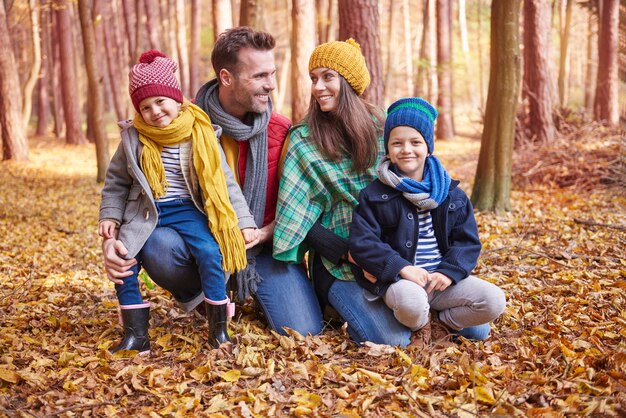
{"type": "Point", "coordinates": [346, 59]}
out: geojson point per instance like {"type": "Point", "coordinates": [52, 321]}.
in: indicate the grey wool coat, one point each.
{"type": "Point", "coordinates": [127, 199]}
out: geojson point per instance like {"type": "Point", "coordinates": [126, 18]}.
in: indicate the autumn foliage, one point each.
{"type": "Point", "coordinates": [558, 350]}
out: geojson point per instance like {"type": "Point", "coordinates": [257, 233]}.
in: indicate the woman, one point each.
{"type": "Point", "coordinates": [331, 156]}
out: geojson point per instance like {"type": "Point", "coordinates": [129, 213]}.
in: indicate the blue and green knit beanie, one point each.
{"type": "Point", "coordinates": [416, 113]}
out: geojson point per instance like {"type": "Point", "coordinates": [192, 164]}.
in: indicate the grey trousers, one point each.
{"type": "Point", "coordinates": [470, 302]}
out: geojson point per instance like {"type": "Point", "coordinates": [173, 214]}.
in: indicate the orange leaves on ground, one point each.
{"type": "Point", "coordinates": [559, 349]}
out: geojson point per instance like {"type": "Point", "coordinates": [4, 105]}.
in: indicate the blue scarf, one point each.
{"type": "Point", "coordinates": [426, 194]}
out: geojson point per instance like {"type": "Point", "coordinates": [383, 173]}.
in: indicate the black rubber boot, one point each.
{"type": "Point", "coordinates": [135, 322]}
{"type": "Point", "coordinates": [218, 324]}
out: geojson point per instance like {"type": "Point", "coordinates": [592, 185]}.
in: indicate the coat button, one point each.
{"type": "Point", "coordinates": [452, 206]}
{"type": "Point", "coordinates": [143, 191]}
{"type": "Point", "coordinates": [410, 216]}
{"type": "Point", "coordinates": [385, 196]}
{"type": "Point", "coordinates": [146, 214]}
{"type": "Point", "coordinates": [408, 244]}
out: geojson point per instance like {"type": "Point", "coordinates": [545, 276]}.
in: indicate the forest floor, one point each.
{"type": "Point", "coordinates": [558, 350]}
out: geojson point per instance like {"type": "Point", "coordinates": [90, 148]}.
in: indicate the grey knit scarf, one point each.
{"type": "Point", "coordinates": [255, 184]}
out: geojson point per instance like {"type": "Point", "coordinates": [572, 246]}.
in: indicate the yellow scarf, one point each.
{"type": "Point", "coordinates": [192, 121]}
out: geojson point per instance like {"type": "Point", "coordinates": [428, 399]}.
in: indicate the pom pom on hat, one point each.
{"type": "Point", "coordinates": [345, 58]}
{"type": "Point", "coordinates": [154, 75]}
{"type": "Point", "coordinates": [416, 113]}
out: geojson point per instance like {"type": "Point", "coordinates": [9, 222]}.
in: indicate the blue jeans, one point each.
{"type": "Point", "coordinates": [192, 227]}
{"type": "Point", "coordinates": [374, 321]}
{"type": "Point", "coordinates": [285, 294]}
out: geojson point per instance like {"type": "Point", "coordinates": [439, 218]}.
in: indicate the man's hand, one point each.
{"type": "Point", "coordinates": [115, 266]}
{"type": "Point", "coordinates": [266, 233]}
{"type": "Point", "coordinates": [438, 281]}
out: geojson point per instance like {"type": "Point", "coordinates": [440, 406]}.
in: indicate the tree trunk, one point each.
{"type": "Point", "coordinates": [96, 103]}
{"type": "Point", "coordinates": [14, 142]}
{"type": "Point", "coordinates": [467, 59]}
{"type": "Point", "coordinates": [194, 47]}
{"type": "Point", "coordinates": [536, 85]}
{"type": "Point", "coordinates": [392, 54]}
{"type": "Point", "coordinates": [43, 99]}
{"type": "Point", "coordinates": [408, 44]}
{"type": "Point", "coordinates": [181, 44]}
{"type": "Point", "coordinates": [606, 108]}
{"type": "Point", "coordinates": [130, 26]}
{"type": "Point", "coordinates": [479, 49]}
{"type": "Point", "coordinates": [73, 132]}
{"type": "Point", "coordinates": [27, 105]}
{"type": "Point", "coordinates": [249, 14]}
{"type": "Point", "coordinates": [445, 126]}
{"type": "Point", "coordinates": [57, 96]}
{"type": "Point", "coordinates": [222, 17]}
{"type": "Point", "coordinates": [590, 72]}
{"type": "Point", "coordinates": [150, 7]}
{"type": "Point", "coordinates": [359, 19]}
{"type": "Point", "coordinates": [492, 183]}
{"type": "Point", "coordinates": [302, 45]}
{"type": "Point", "coordinates": [114, 71]}
{"type": "Point", "coordinates": [566, 22]}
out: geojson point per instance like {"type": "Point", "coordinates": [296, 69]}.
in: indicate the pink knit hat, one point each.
{"type": "Point", "coordinates": [154, 75]}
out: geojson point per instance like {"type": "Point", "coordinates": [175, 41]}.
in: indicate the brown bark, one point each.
{"type": "Point", "coordinates": [536, 82]}
{"type": "Point", "coordinates": [302, 45]}
{"type": "Point", "coordinates": [467, 59]}
{"type": "Point", "coordinates": [492, 183]}
{"type": "Point", "coordinates": [566, 22]}
{"type": "Point", "coordinates": [57, 96]}
{"type": "Point", "coordinates": [27, 104]}
{"type": "Point", "coordinates": [359, 19]}
{"type": "Point", "coordinates": [590, 71]}
{"type": "Point", "coordinates": [73, 132]}
{"type": "Point", "coordinates": [427, 74]}
{"type": "Point", "coordinates": [445, 127]}
{"type": "Point", "coordinates": [130, 17]}
{"type": "Point", "coordinates": [152, 25]}
{"type": "Point", "coordinates": [43, 99]}
{"type": "Point", "coordinates": [194, 47]}
{"type": "Point", "coordinates": [181, 44]}
{"type": "Point", "coordinates": [249, 13]}
{"type": "Point", "coordinates": [14, 142]}
{"type": "Point", "coordinates": [222, 16]}
{"type": "Point", "coordinates": [114, 70]}
{"type": "Point", "coordinates": [96, 103]}
{"type": "Point", "coordinates": [408, 44]}
{"type": "Point", "coordinates": [606, 107]}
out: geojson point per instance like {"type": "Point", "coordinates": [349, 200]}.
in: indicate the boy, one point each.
{"type": "Point", "coordinates": [415, 232]}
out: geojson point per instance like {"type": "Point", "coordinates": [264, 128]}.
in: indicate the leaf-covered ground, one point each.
{"type": "Point", "coordinates": [559, 349]}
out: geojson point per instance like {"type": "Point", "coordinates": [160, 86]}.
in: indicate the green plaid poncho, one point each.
{"type": "Point", "coordinates": [314, 187]}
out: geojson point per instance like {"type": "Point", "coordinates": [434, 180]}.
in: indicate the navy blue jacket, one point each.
{"type": "Point", "coordinates": [384, 232]}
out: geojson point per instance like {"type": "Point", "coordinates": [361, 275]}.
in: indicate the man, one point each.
{"type": "Point", "coordinates": [253, 137]}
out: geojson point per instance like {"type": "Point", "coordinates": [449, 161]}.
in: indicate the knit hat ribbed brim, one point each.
{"type": "Point", "coordinates": [416, 113]}
{"type": "Point", "coordinates": [345, 58]}
{"type": "Point", "coordinates": [154, 75]}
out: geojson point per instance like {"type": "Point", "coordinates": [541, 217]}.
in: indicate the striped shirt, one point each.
{"type": "Point", "coordinates": [427, 254]}
{"type": "Point", "coordinates": [177, 188]}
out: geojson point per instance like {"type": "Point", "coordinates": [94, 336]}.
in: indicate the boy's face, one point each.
{"type": "Point", "coordinates": [159, 111]}
{"type": "Point", "coordinates": [407, 149]}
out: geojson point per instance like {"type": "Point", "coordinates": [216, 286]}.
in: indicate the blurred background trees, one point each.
{"type": "Point", "coordinates": [572, 58]}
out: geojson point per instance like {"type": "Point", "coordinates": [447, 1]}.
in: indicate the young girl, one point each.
{"type": "Point", "coordinates": [167, 171]}
{"type": "Point", "coordinates": [414, 230]}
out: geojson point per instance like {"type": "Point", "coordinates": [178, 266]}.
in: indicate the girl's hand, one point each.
{"type": "Point", "coordinates": [415, 274]}
{"type": "Point", "coordinates": [251, 237]}
{"type": "Point", "coordinates": [106, 229]}
{"type": "Point", "coordinates": [438, 281]}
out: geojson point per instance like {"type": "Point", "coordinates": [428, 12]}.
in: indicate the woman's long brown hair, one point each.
{"type": "Point", "coordinates": [351, 129]}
